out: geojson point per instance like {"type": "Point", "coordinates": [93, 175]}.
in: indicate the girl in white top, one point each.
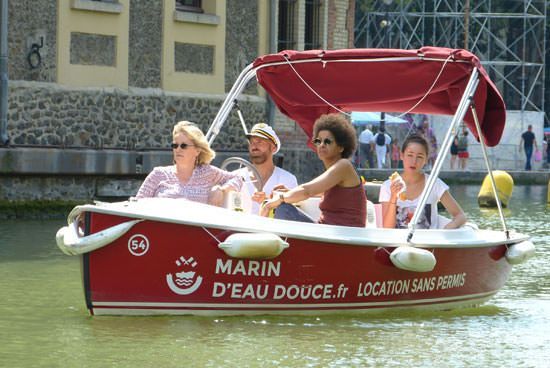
{"type": "Point", "coordinates": [398, 208]}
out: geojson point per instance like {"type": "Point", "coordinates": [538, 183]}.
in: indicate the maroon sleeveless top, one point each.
{"type": "Point", "coordinates": [344, 206]}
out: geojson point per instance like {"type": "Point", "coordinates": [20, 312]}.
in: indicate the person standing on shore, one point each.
{"type": "Point", "coordinates": [547, 141]}
{"type": "Point", "coordinates": [382, 145]}
{"type": "Point", "coordinates": [366, 139]}
{"type": "Point", "coordinates": [527, 141]}
{"type": "Point", "coordinates": [463, 153]}
{"type": "Point", "coordinates": [395, 154]}
{"type": "Point", "coordinates": [454, 152]}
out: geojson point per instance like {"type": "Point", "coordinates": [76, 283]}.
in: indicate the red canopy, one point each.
{"type": "Point", "coordinates": [393, 84]}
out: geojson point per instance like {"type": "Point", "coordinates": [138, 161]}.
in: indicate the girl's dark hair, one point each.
{"type": "Point", "coordinates": [415, 138]}
{"type": "Point", "coordinates": [341, 129]}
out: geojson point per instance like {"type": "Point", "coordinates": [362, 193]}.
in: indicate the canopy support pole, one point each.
{"type": "Point", "coordinates": [227, 104]}
{"type": "Point", "coordinates": [465, 101]}
{"type": "Point", "coordinates": [489, 170]}
{"type": "Point", "coordinates": [241, 117]}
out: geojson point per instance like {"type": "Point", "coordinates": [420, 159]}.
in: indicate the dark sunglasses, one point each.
{"type": "Point", "coordinates": [326, 141]}
{"type": "Point", "coordinates": [182, 146]}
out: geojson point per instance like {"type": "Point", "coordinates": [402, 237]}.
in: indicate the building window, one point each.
{"type": "Point", "coordinates": [312, 34]}
{"type": "Point", "coordinates": [286, 38]}
{"type": "Point", "coordinates": [194, 6]}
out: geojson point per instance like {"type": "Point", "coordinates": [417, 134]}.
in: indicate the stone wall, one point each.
{"type": "Point", "coordinates": [49, 114]}
{"type": "Point", "coordinates": [191, 58]}
{"type": "Point", "coordinates": [93, 49]}
{"type": "Point", "coordinates": [32, 22]}
{"type": "Point", "coordinates": [241, 40]}
{"type": "Point", "coordinates": [18, 188]}
{"type": "Point", "coordinates": [145, 38]}
{"type": "Point", "coordinates": [42, 113]}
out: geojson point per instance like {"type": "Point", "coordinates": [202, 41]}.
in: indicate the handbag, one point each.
{"type": "Point", "coordinates": [538, 156]}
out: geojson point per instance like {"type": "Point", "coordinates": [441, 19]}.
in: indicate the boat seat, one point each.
{"type": "Point", "coordinates": [311, 207]}
{"type": "Point", "coordinates": [374, 215]}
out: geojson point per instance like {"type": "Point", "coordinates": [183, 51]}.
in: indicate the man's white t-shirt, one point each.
{"type": "Point", "coordinates": [406, 208]}
{"type": "Point", "coordinates": [366, 137]}
{"type": "Point", "coordinates": [279, 176]}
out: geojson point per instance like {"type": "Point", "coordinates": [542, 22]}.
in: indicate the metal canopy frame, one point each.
{"type": "Point", "coordinates": [466, 102]}
{"type": "Point", "coordinates": [508, 37]}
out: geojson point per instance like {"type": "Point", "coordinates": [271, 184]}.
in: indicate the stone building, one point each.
{"type": "Point", "coordinates": [95, 86]}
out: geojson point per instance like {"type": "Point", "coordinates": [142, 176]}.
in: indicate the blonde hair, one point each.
{"type": "Point", "coordinates": [193, 132]}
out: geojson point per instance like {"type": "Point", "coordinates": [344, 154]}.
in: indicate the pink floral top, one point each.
{"type": "Point", "coordinates": [163, 182]}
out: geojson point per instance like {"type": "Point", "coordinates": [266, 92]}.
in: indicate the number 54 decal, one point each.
{"type": "Point", "coordinates": [138, 245]}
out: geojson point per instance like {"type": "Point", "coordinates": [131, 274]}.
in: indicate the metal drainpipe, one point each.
{"type": "Point", "coordinates": [272, 49]}
{"type": "Point", "coordinates": [4, 72]}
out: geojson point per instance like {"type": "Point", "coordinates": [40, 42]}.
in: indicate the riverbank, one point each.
{"type": "Point", "coordinates": [468, 176]}
{"type": "Point", "coordinates": [69, 191]}
{"type": "Point", "coordinates": [47, 183]}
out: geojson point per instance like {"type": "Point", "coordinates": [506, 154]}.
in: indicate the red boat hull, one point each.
{"type": "Point", "coordinates": [167, 268]}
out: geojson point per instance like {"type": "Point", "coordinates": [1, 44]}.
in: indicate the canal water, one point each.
{"type": "Point", "coordinates": [44, 323]}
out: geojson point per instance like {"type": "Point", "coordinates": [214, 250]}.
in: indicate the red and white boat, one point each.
{"type": "Point", "coordinates": [172, 256]}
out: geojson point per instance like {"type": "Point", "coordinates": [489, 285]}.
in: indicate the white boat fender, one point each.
{"type": "Point", "coordinates": [71, 243]}
{"type": "Point", "coordinates": [413, 259]}
{"type": "Point", "coordinates": [253, 245]}
{"type": "Point", "coordinates": [520, 252]}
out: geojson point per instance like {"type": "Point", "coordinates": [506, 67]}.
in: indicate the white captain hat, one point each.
{"type": "Point", "coordinates": [265, 131]}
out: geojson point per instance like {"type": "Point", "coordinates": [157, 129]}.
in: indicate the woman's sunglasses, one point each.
{"type": "Point", "coordinates": [326, 142]}
{"type": "Point", "coordinates": [182, 145]}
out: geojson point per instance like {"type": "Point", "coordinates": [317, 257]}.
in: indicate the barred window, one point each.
{"type": "Point", "coordinates": [286, 38]}
{"type": "Point", "coordinates": [194, 6]}
{"type": "Point", "coordinates": [312, 34]}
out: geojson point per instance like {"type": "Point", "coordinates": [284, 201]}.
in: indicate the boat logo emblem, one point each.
{"type": "Point", "coordinates": [138, 245]}
{"type": "Point", "coordinates": [185, 282]}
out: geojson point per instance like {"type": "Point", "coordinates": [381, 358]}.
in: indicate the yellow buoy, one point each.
{"type": "Point", "coordinates": [504, 184]}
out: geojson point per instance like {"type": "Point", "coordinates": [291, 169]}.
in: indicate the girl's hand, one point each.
{"type": "Point", "coordinates": [395, 187]}
{"type": "Point", "coordinates": [269, 205]}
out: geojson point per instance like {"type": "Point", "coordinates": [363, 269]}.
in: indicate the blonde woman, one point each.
{"type": "Point", "coordinates": [191, 176]}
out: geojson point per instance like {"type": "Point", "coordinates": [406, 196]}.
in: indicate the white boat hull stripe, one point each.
{"type": "Point", "coordinates": [290, 306]}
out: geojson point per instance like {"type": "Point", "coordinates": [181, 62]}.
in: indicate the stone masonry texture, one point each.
{"type": "Point", "coordinates": [198, 59]}
{"type": "Point", "coordinates": [145, 48]}
{"type": "Point", "coordinates": [93, 49]}
{"type": "Point", "coordinates": [241, 43]}
{"type": "Point", "coordinates": [48, 114]}
{"type": "Point", "coordinates": [28, 21]}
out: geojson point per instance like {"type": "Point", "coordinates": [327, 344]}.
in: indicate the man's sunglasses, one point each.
{"type": "Point", "coordinates": [326, 141]}
{"type": "Point", "coordinates": [182, 145]}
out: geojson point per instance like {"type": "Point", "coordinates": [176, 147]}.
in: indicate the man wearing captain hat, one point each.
{"type": "Point", "coordinates": [263, 143]}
